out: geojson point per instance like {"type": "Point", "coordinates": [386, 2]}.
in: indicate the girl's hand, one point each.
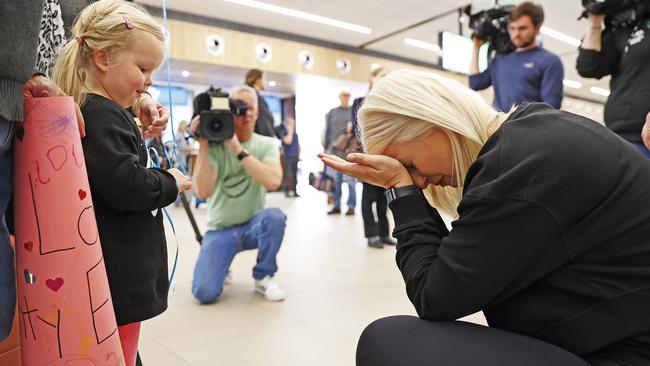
{"type": "Point", "coordinates": [182, 181]}
{"type": "Point", "coordinates": [153, 116]}
{"type": "Point", "coordinates": [378, 170]}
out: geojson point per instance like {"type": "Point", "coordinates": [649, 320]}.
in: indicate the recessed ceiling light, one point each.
{"type": "Point", "coordinates": [599, 91]}
{"type": "Point", "coordinates": [572, 84]}
{"type": "Point", "coordinates": [306, 59]}
{"type": "Point", "coordinates": [185, 73]}
{"type": "Point", "coordinates": [424, 45]}
{"type": "Point", "coordinates": [302, 15]}
{"type": "Point", "coordinates": [272, 83]}
{"type": "Point", "coordinates": [560, 36]}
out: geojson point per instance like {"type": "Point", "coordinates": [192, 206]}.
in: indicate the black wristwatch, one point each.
{"type": "Point", "coordinates": [242, 154]}
{"type": "Point", "coordinates": [397, 192]}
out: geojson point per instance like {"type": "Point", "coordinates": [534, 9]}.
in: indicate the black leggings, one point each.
{"type": "Point", "coordinates": [408, 340]}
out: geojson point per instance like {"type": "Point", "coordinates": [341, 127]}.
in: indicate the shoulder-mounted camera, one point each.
{"type": "Point", "coordinates": [492, 25]}
{"type": "Point", "coordinates": [217, 113]}
{"type": "Point", "coordinates": [618, 13]}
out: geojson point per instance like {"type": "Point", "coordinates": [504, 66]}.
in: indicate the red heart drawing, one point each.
{"type": "Point", "coordinates": [29, 246]}
{"type": "Point", "coordinates": [82, 194]}
{"type": "Point", "coordinates": [54, 284]}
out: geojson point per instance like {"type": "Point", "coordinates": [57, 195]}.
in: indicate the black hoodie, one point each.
{"type": "Point", "coordinates": [552, 239]}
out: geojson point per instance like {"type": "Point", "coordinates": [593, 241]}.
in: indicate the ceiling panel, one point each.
{"type": "Point", "coordinates": [382, 16]}
{"type": "Point", "coordinates": [387, 16]}
{"type": "Point", "coordinates": [219, 76]}
{"type": "Point", "coordinates": [427, 33]}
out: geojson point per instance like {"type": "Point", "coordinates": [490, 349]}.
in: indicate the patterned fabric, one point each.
{"type": "Point", "coordinates": [50, 38]}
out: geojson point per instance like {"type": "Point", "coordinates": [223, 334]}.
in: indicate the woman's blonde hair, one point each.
{"type": "Point", "coordinates": [112, 26]}
{"type": "Point", "coordinates": [407, 105]}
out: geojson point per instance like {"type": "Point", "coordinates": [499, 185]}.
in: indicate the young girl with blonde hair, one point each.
{"type": "Point", "coordinates": [551, 241]}
{"type": "Point", "coordinates": [114, 49]}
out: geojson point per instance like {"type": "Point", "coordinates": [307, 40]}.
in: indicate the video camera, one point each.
{"type": "Point", "coordinates": [492, 25]}
{"type": "Point", "coordinates": [216, 113]}
{"type": "Point", "coordinates": [618, 13]}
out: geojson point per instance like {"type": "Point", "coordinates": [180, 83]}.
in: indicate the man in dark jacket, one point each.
{"type": "Point", "coordinates": [622, 53]}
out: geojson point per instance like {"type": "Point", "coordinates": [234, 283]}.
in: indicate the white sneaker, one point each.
{"type": "Point", "coordinates": [269, 288]}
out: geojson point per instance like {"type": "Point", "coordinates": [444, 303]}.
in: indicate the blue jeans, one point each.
{"type": "Point", "coordinates": [7, 272]}
{"type": "Point", "coordinates": [641, 147]}
{"type": "Point", "coordinates": [264, 231]}
{"type": "Point", "coordinates": [339, 179]}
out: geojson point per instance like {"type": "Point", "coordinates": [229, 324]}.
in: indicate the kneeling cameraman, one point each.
{"type": "Point", "coordinates": [234, 175]}
{"type": "Point", "coordinates": [622, 50]}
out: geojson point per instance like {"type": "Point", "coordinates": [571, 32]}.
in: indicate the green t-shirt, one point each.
{"type": "Point", "coordinates": [237, 196]}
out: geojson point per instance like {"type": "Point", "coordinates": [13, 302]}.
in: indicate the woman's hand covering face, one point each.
{"type": "Point", "coordinates": [378, 170]}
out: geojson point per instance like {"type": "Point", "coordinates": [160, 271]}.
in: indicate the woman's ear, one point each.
{"type": "Point", "coordinates": [100, 59]}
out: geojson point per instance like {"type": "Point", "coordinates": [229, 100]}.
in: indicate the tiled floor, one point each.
{"type": "Point", "coordinates": [335, 286]}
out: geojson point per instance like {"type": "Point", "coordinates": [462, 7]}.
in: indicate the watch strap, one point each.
{"type": "Point", "coordinates": [397, 192]}
{"type": "Point", "coordinates": [242, 154]}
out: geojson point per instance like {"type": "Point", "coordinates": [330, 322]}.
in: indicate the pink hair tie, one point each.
{"type": "Point", "coordinates": [79, 40]}
{"type": "Point", "coordinates": [127, 22]}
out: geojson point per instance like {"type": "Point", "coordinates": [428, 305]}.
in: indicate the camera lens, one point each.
{"type": "Point", "coordinates": [216, 126]}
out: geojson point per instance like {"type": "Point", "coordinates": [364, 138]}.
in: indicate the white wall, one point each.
{"type": "Point", "coordinates": [180, 112]}
{"type": "Point", "coordinates": [315, 96]}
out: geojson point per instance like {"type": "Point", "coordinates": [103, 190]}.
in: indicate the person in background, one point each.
{"type": "Point", "coordinates": [183, 144]}
{"type": "Point", "coordinates": [183, 152]}
{"type": "Point", "coordinates": [291, 149]}
{"type": "Point", "coordinates": [622, 53]}
{"type": "Point", "coordinates": [528, 74]}
{"type": "Point", "coordinates": [375, 226]}
{"type": "Point", "coordinates": [265, 124]}
{"type": "Point", "coordinates": [337, 124]}
{"type": "Point", "coordinates": [159, 156]}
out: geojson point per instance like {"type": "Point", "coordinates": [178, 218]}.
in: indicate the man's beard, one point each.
{"type": "Point", "coordinates": [527, 44]}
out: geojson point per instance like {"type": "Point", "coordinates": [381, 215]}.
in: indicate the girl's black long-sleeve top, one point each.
{"type": "Point", "coordinates": [552, 239]}
{"type": "Point", "coordinates": [127, 197]}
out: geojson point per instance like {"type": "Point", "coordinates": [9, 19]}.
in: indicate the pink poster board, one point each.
{"type": "Point", "coordinates": [64, 303]}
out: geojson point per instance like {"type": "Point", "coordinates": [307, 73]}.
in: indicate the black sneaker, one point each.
{"type": "Point", "coordinates": [334, 211]}
{"type": "Point", "coordinates": [387, 240]}
{"type": "Point", "coordinates": [375, 243]}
